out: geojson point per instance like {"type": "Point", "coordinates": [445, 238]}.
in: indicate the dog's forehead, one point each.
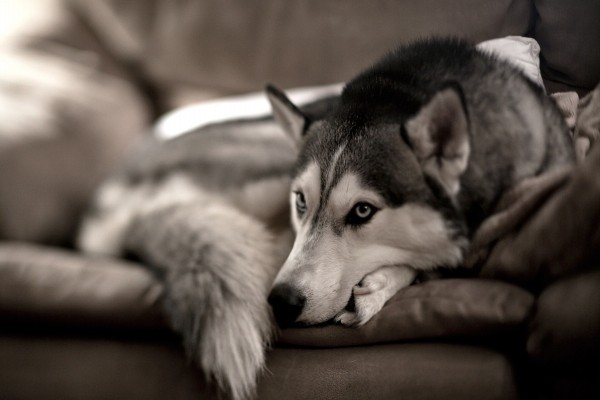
{"type": "Point", "coordinates": [375, 154]}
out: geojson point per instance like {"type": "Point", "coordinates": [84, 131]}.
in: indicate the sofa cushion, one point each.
{"type": "Point", "coordinates": [563, 340]}
{"type": "Point", "coordinates": [43, 285]}
{"type": "Point", "coordinates": [566, 324]}
{"type": "Point", "coordinates": [393, 371]}
{"type": "Point", "coordinates": [59, 287]}
{"type": "Point", "coordinates": [96, 367]}
{"type": "Point", "coordinates": [450, 308]}
{"type": "Point", "coordinates": [93, 368]}
{"type": "Point", "coordinates": [568, 33]}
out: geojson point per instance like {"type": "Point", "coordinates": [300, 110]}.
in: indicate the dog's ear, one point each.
{"type": "Point", "coordinates": [439, 137]}
{"type": "Point", "coordinates": [291, 119]}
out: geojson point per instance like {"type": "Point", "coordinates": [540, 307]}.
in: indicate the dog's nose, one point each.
{"type": "Point", "coordinates": [287, 304]}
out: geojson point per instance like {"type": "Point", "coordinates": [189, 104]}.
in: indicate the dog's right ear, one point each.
{"type": "Point", "coordinates": [439, 136]}
{"type": "Point", "coordinates": [291, 119]}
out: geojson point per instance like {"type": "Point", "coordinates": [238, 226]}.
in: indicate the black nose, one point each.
{"type": "Point", "coordinates": [287, 304]}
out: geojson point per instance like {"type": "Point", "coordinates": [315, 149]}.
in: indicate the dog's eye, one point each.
{"type": "Point", "coordinates": [360, 214]}
{"type": "Point", "coordinates": [300, 203]}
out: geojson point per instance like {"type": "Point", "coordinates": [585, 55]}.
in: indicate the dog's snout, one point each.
{"type": "Point", "coordinates": [287, 304]}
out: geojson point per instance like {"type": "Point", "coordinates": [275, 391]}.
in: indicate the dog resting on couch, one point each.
{"type": "Point", "coordinates": [392, 178]}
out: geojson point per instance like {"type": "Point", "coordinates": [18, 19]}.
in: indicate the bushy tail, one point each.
{"type": "Point", "coordinates": [218, 265]}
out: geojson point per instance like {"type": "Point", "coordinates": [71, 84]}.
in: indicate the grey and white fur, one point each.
{"type": "Point", "coordinates": [390, 179]}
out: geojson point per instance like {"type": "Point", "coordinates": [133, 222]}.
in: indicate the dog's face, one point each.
{"type": "Point", "coordinates": [360, 200]}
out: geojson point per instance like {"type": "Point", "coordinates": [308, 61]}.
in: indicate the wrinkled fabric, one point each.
{"type": "Point", "coordinates": [547, 226]}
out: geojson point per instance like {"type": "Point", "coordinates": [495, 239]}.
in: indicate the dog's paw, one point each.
{"type": "Point", "coordinates": [368, 300]}
{"type": "Point", "coordinates": [371, 284]}
{"type": "Point", "coordinates": [371, 294]}
{"type": "Point", "coordinates": [347, 318]}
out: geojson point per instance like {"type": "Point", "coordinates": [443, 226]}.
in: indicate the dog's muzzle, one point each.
{"type": "Point", "coordinates": [287, 304]}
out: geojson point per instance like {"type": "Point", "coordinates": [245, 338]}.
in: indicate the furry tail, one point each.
{"type": "Point", "coordinates": [218, 265]}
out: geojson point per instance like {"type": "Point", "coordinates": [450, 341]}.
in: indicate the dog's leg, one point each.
{"type": "Point", "coordinates": [374, 291]}
{"type": "Point", "coordinates": [218, 266]}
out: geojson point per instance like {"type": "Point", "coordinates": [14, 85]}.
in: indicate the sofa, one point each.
{"type": "Point", "coordinates": [83, 82]}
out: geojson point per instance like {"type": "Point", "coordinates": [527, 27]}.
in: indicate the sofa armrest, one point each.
{"type": "Point", "coordinates": [58, 287]}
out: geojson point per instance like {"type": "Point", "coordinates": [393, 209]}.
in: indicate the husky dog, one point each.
{"type": "Point", "coordinates": [399, 176]}
{"type": "Point", "coordinates": [390, 179]}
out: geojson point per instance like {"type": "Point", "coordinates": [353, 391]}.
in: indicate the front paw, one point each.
{"type": "Point", "coordinates": [347, 318]}
{"type": "Point", "coordinates": [369, 298]}
{"type": "Point", "coordinates": [373, 292]}
{"type": "Point", "coordinates": [370, 284]}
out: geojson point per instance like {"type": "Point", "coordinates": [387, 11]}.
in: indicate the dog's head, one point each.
{"type": "Point", "coordinates": [368, 191]}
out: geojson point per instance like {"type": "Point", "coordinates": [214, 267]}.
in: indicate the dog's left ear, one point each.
{"type": "Point", "coordinates": [439, 137]}
{"type": "Point", "coordinates": [291, 119]}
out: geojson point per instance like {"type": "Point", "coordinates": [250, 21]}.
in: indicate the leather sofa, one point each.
{"type": "Point", "coordinates": [81, 83]}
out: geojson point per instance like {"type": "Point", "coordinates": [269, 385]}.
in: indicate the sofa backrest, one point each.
{"type": "Point", "coordinates": [569, 35]}
{"type": "Point", "coordinates": [236, 46]}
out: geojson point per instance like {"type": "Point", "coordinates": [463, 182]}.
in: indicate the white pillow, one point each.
{"type": "Point", "coordinates": [523, 52]}
{"type": "Point", "coordinates": [250, 105]}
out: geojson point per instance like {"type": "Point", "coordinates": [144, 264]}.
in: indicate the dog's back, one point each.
{"type": "Point", "coordinates": [515, 130]}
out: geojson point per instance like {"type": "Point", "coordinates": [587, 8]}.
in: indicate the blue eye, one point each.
{"type": "Point", "coordinates": [300, 203]}
{"type": "Point", "coordinates": [360, 214]}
